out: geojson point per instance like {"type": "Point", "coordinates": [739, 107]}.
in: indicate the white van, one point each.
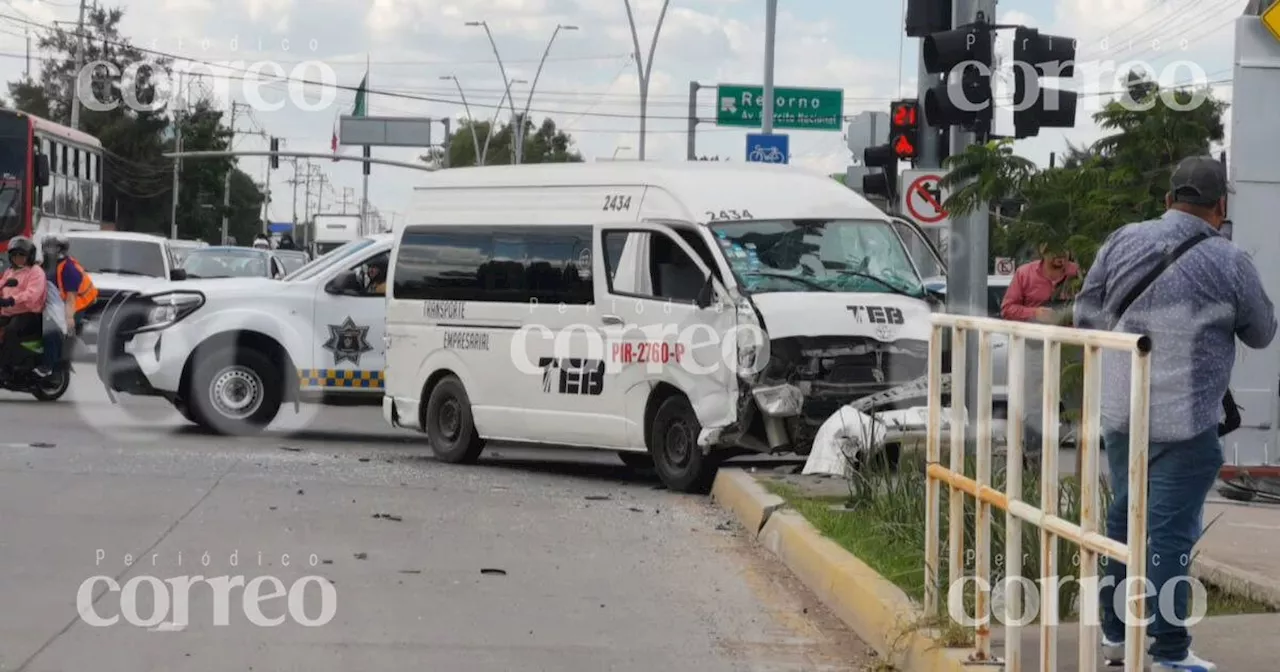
{"type": "Point", "coordinates": [663, 311]}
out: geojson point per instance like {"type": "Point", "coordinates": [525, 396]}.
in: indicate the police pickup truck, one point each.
{"type": "Point", "coordinates": [227, 353]}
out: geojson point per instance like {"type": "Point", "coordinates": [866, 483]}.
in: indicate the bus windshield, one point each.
{"type": "Point", "coordinates": [15, 139]}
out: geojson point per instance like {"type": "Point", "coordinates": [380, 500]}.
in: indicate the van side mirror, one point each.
{"type": "Point", "coordinates": [707, 294]}
{"type": "Point", "coordinates": [177, 274]}
{"type": "Point", "coordinates": [346, 283]}
{"type": "Point", "coordinates": [41, 170]}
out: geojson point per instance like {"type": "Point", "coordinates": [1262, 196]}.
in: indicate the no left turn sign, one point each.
{"type": "Point", "coordinates": [923, 198]}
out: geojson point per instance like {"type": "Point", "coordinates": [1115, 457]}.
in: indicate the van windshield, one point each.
{"type": "Point", "coordinates": [818, 255]}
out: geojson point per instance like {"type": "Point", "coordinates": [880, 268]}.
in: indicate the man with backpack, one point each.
{"type": "Point", "coordinates": [77, 292]}
{"type": "Point", "coordinates": [1178, 280]}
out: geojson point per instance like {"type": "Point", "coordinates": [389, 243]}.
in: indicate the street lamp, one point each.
{"type": "Point", "coordinates": [536, 75]}
{"type": "Point", "coordinates": [475, 140]}
{"type": "Point", "coordinates": [501, 68]}
{"type": "Point", "coordinates": [496, 111]}
{"type": "Point", "coordinates": [644, 68]}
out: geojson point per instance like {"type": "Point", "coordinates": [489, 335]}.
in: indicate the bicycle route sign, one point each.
{"type": "Point", "coordinates": [774, 148]}
{"type": "Point", "coordinates": [922, 198]}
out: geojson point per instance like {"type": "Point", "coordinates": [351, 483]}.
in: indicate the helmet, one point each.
{"type": "Point", "coordinates": [22, 245]}
{"type": "Point", "coordinates": [381, 265]}
{"type": "Point", "coordinates": [55, 244]}
{"type": "Point", "coordinates": [261, 244]}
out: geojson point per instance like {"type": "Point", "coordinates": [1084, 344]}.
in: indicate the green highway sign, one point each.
{"type": "Point", "coordinates": [798, 109]}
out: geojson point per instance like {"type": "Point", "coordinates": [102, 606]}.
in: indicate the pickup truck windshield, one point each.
{"type": "Point", "coordinates": [320, 264]}
{"type": "Point", "coordinates": [818, 255]}
{"type": "Point", "coordinates": [119, 255]}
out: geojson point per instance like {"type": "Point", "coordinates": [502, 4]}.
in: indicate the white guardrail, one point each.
{"type": "Point", "coordinates": [1046, 517]}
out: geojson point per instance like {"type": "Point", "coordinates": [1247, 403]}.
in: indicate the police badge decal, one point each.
{"type": "Point", "coordinates": [347, 341]}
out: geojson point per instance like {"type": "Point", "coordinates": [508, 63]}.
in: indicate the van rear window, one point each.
{"type": "Point", "coordinates": [499, 264]}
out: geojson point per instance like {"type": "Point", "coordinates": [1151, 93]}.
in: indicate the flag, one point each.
{"type": "Point", "coordinates": [334, 143]}
{"type": "Point", "coordinates": [361, 107]}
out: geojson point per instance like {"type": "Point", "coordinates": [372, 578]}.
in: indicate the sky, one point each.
{"type": "Point", "coordinates": [590, 82]}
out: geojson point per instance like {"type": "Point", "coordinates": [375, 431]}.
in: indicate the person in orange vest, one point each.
{"type": "Point", "coordinates": [78, 293]}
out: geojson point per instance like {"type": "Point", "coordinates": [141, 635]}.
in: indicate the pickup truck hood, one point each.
{"type": "Point", "coordinates": [260, 287]}
{"type": "Point", "coordinates": [128, 283]}
{"type": "Point", "coordinates": [883, 317]}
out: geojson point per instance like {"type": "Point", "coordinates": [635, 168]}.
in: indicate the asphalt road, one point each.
{"type": "Point", "coordinates": [598, 568]}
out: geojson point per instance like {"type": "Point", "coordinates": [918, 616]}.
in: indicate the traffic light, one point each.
{"type": "Point", "coordinates": [964, 98]}
{"type": "Point", "coordinates": [928, 16]}
{"type": "Point", "coordinates": [1035, 107]}
{"type": "Point", "coordinates": [904, 129]}
{"type": "Point", "coordinates": [884, 183]}
{"type": "Point", "coordinates": [275, 158]}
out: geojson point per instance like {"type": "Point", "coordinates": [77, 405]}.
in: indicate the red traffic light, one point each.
{"type": "Point", "coordinates": [905, 115]}
{"type": "Point", "coordinates": [904, 147]}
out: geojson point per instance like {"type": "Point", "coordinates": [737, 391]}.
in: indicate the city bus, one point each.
{"type": "Point", "coordinates": [51, 178]}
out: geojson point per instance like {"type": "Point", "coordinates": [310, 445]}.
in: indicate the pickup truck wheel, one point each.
{"type": "Point", "coordinates": [673, 444]}
{"type": "Point", "coordinates": [235, 392]}
{"type": "Point", "coordinates": [451, 431]}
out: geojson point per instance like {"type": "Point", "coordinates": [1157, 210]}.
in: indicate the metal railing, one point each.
{"type": "Point", "coordinates": [1086, 534]}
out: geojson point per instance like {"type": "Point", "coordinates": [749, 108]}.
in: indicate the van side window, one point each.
{"type": "Point", "coordinates": [670, 274]}
{"type": "Point", "coordinates": [504, 264]}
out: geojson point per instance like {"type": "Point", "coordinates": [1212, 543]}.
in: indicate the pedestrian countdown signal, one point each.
{"type": "Point", "coordinates": [904, 129]}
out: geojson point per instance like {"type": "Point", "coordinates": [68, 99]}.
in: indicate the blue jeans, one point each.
{"type": "Point", "coordinates": [1179, 477]}
{"type": "Point", "coordinates": [54, 341]}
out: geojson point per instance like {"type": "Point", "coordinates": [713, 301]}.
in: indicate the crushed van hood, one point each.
{"type": "Point", "coordinates": [883, 317]}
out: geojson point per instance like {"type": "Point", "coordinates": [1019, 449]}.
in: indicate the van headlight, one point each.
{"type": "Point", "coordinates": [779, 401]}
{"type": "Point", "coordinates": [168, 309]}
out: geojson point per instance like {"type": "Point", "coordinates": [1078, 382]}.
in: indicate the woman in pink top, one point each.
{"type": "Point", "coordinates": [22, 289]}
{"type": "Point", "coordinates": [1039, 292]}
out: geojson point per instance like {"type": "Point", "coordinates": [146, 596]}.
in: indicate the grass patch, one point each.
{"type": "Point", "coordinates": [882, 522]}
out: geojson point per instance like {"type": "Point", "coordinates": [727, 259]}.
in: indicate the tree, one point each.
{"type": "Point", "coordinates": [545, 144]}
{"type": "Point", "coordinates": [137, 178]}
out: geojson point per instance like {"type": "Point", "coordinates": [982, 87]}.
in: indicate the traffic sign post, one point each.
{"type": "Point", "coordinates": [768, 148]}
{"type": "Point", "coordinates": [797, 109]}
{"type": "Point", "coordinates": [1004, 266]}
{"type": "Point", "coordinates": [922, 197]}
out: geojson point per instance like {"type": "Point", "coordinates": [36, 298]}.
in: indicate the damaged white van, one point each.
{"type": "Point", "coordinates": [677, 314]}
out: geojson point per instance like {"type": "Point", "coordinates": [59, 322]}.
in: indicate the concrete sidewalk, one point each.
{"type": "Point", "coordinates": [1235, 643]}
{"type": "Point", "coordinates": [1240, 550]}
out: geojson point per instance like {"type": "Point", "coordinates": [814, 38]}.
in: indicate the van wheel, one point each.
{"type": "Point", "coordinates": [637, 461]}
{"type": "Point", "coordinates": [235, 392]}
{"type": "Point", "coordinates": [673, 444]}
{"type": "Point", "coordinates": [184, 409]}
{"type": "Point", "coordinates": [451, 431]}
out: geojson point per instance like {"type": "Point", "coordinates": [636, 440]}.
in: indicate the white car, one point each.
{"type": "Point", "coordinates": [228, 352]}
{"type": "Point", "coordinates": [120, 261]}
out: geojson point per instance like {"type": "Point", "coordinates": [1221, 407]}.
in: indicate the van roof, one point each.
{"type": "Point", "coordinates": [697, 185]}
{"type": "Point", "coordinates": [118, 235]}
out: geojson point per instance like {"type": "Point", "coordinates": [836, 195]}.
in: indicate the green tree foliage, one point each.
{"type": "Point", "coordinates": [138, 179]}
{"type": "Point", "coordinates": [543, 144]}
{"type": "Point", "coordinates": [1120, 179]}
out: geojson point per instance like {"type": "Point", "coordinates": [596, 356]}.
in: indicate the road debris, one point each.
{"type": "Point", "coordinates": [362, 556]}
{"type": "Point", "coordinates": [492, 571]}
{"type": "Point", "coordinates": [388, 516]}
{"type": "Point", "coordinates": [291, 449]}
{"type": "Point", "coordinates": [597, 498]}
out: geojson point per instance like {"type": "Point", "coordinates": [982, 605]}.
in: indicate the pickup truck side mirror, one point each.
{"type": "Point", "coordinates": [346, 283]}
{"type": "Point", "coordinates": [706, 295]}
{"type": "Point", "coordinates": [177, 274]}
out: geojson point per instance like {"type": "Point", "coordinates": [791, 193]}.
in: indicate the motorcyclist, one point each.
{"type": "Point", "coordinates": [286, 243]}
{"type": "Point", "coordinates": [22, 294]}
{"type": "Point", "coordinates": [261, 242]}
{"type": "Point", "coordinates": [77, 290]}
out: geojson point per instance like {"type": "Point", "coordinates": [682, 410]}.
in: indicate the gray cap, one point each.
{"type": "Point", "coordinates": [1200, 180]}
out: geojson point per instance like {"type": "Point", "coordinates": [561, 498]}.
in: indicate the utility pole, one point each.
{"type": "Point", "coordinates": [266, 191]}
{"type": "Point", "coordinates": [347, 194]}
{"type": "Point", "coordinates": [75, 86]}
{"type": "Point", "coordinates": [28, 71]}
{"type": "Point", "coordinates": [177, 163]}
{"type": "Point", "coordinates": [306, 199]}
{"type": "Point", "coordinates": [295, 182]}
{"type": "Point", "coordinates": [770, 31]}
{"type": "Point", "coordinates": [226, 180]}
{"type": "Point", "coordinates": [692, 153]}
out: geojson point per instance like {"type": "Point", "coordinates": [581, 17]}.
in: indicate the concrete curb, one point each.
{"type": "Point", "coordinates": [1237, 581]}
{"type": "Point", "coordinates": [740, 493]}
{"type": "Point", "coordinates": [872, 606]}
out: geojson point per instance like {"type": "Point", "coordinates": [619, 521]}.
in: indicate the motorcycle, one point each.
{"type": "Point", "coordinates": [22, 377]}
